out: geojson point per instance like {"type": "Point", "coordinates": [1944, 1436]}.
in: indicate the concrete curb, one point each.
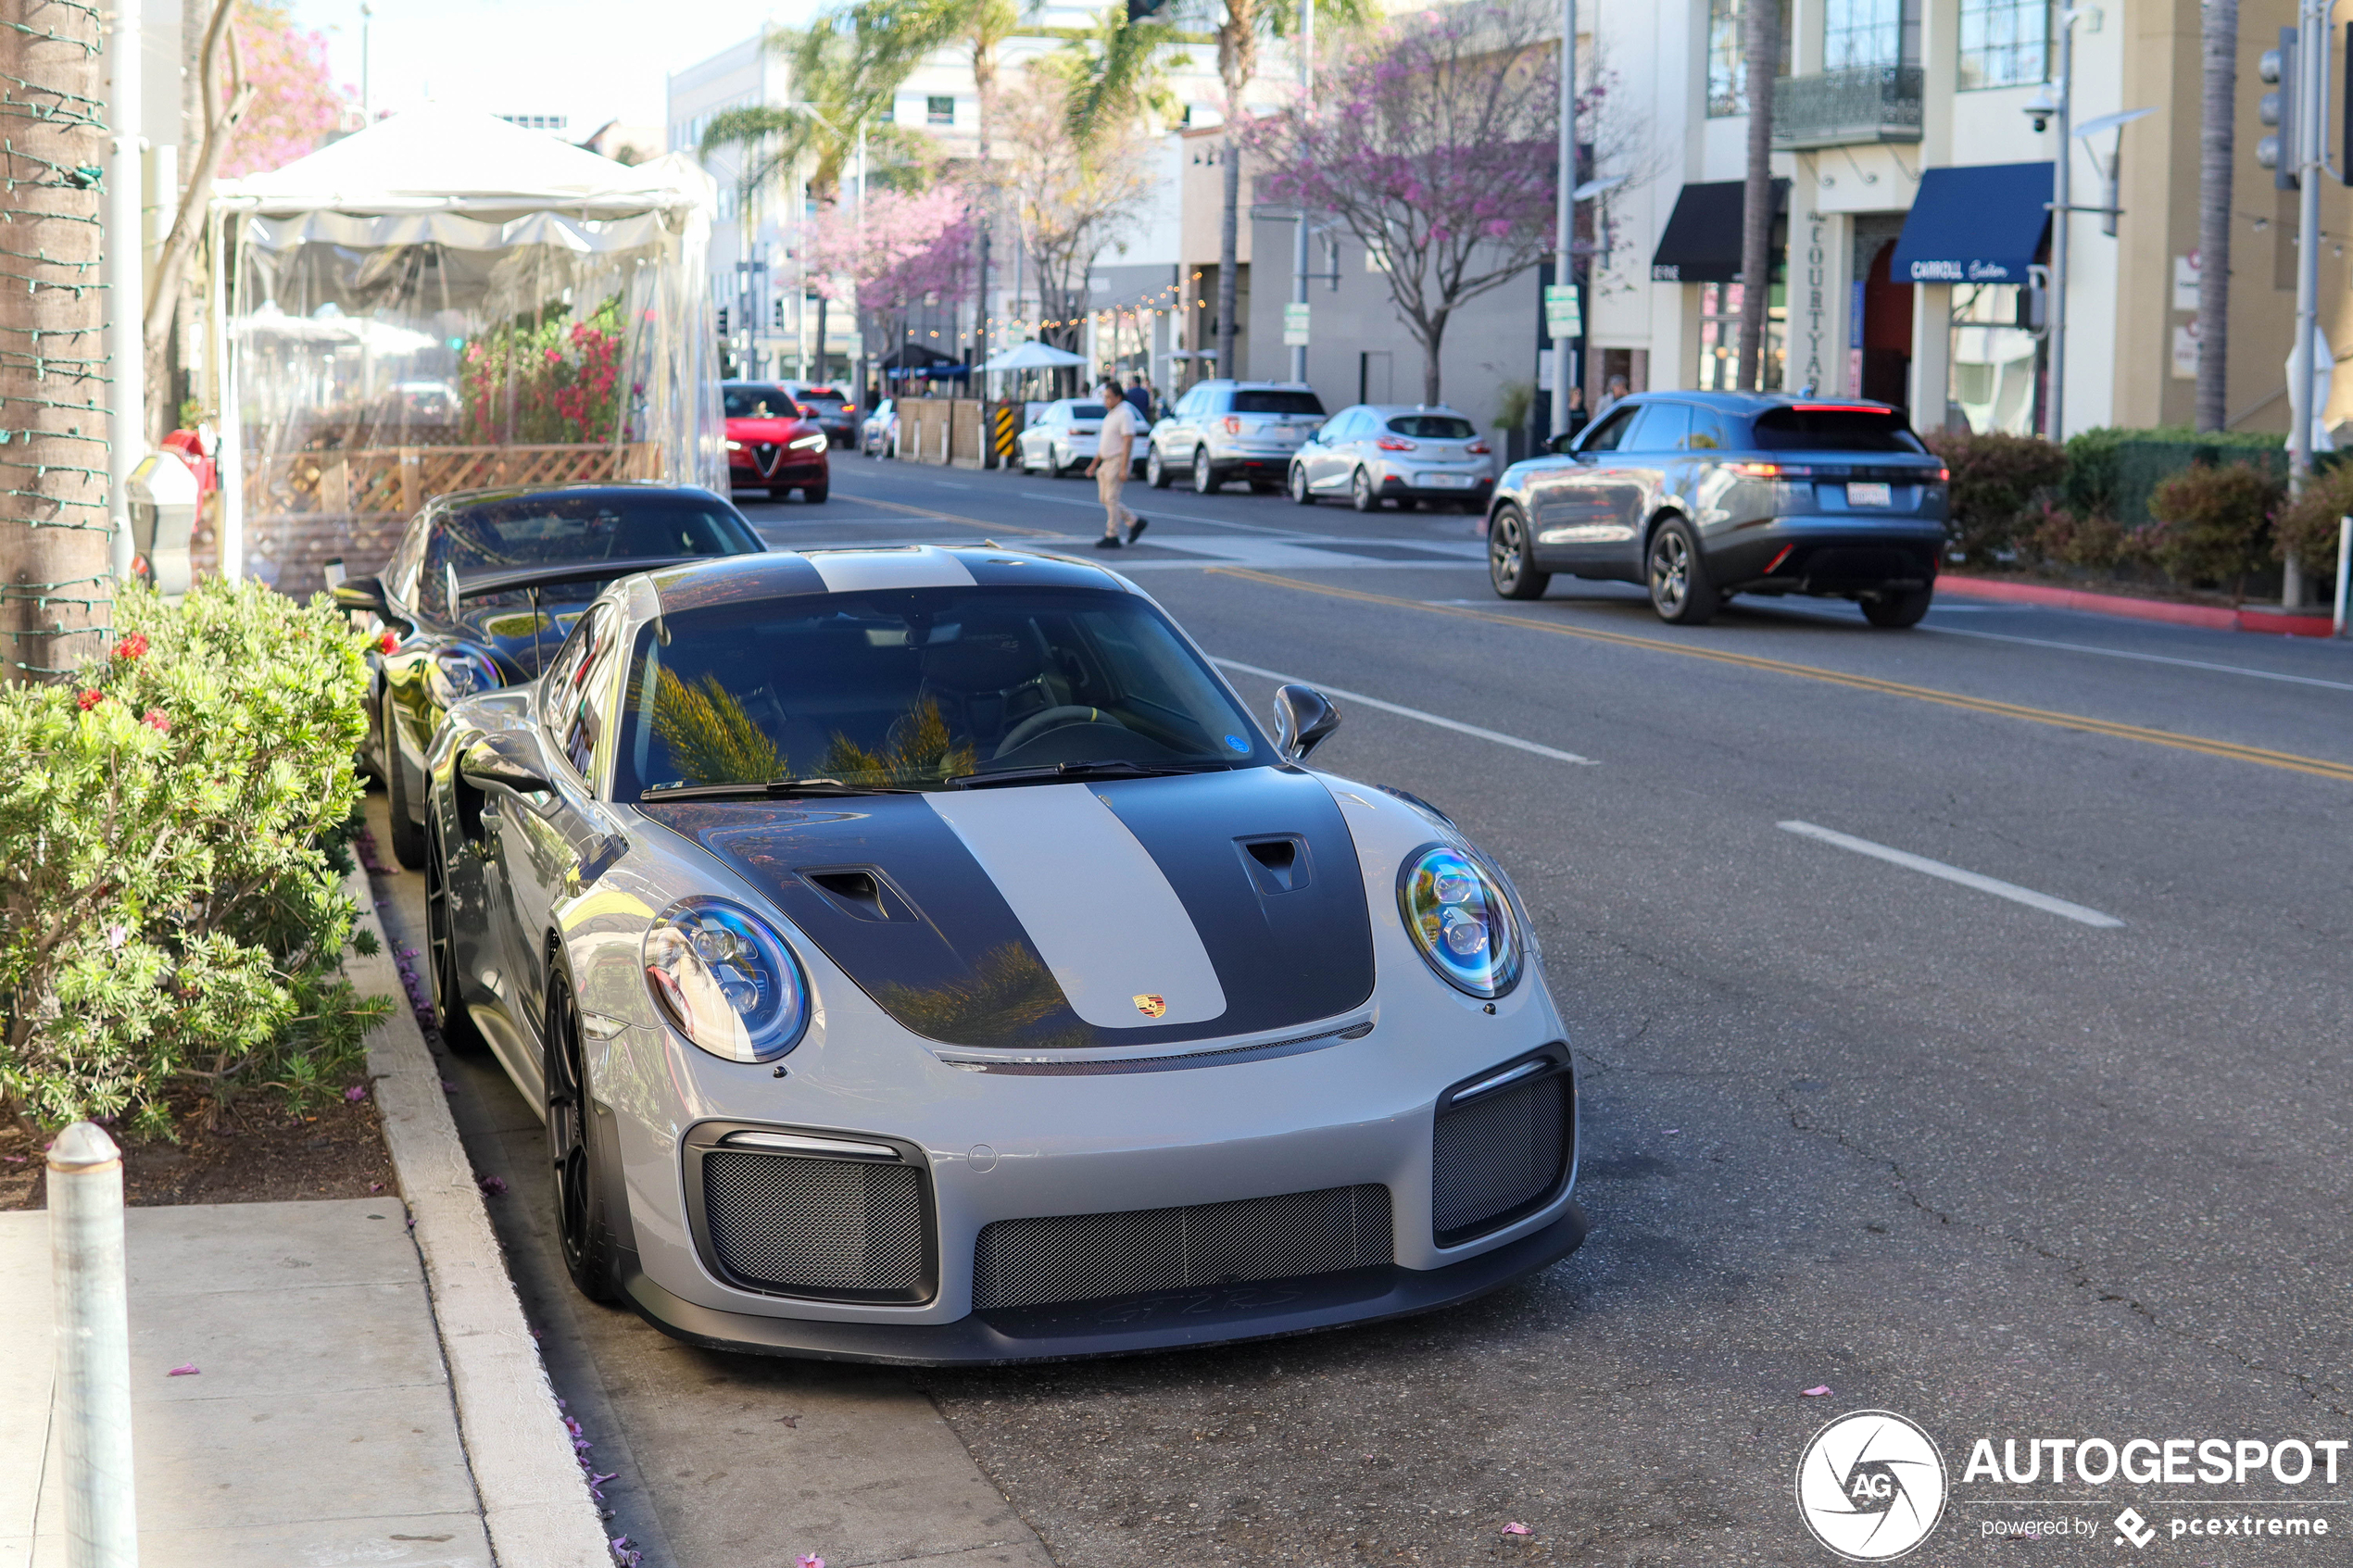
{"type": "Point", "coordinates": [535, 1500]}
{"type": "Point", "coordinates": [2213, 618]}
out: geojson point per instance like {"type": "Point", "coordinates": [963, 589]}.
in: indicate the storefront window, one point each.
{"type": "Point", "coordinates": [2005, 42]}
{"type": "Point", "coordinates": [1993, 360]}
{"type": "Point", "coordinates": [1719, 337]}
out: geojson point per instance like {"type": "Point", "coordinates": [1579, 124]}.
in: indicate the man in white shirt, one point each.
{"type": "Point", "coordinates": [1114, 459]}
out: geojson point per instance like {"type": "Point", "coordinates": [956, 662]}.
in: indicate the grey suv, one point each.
{"type": "Point", "coordinates": [1227, 429]}
{"type": "Point", "coordinates": [1699, 496]}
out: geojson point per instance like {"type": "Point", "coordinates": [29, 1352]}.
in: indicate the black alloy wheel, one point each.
{"type": "Point", "coordinates": [580, 1225]}
{"type": "Point", "coordinates": [448, 996]}
{"type": "Point", "coordinates": [1677, 576]}
{"type": "Point", "coordinates": [407, 838]}
{"type": "Point", "coordinates": [1511, 558]}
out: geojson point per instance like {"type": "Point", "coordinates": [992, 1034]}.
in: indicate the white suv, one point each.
{"type": "Point", "coordinates": [1228, 429]}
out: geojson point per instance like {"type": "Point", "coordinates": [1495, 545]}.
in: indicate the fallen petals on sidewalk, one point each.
{"type": "Point", "coordinates": [186, 1369]}
{"type": "Point", "coordinates": [357, 1092]}
{"type": "Point", "coordinates": [807, 1560]}
{"type": "Point", "coordinates": [1815, 1392]}
{"type": "Point", "coordinates": [1515, 1529]}
{"type": "Point", "coordinates": [491, 1186]}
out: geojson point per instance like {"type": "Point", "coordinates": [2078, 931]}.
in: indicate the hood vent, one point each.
{"type": "Point", "coordinates": [861, 892]}
{"type": "Point", "coordinates": [1275, 864]}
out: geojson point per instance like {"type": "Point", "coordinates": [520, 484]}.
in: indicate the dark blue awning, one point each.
{"type": "Point", "coordinates": [1980, 224]}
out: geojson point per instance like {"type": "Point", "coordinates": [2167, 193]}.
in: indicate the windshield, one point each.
{"type": "Point", "coordinates": [759, 403]}
{"type": "Point", "coordinates": [565, 530]}
{"type": "Point", "coordinates": [1247, 402]}
{"type": "Point", "coordinates": [1820, 429]}
{"type": "Point", "coordinates": [1432, 427]}
{"type": "Point", "coordinates": [911, 688]}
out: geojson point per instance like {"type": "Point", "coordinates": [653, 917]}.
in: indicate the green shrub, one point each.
{"type": "Point", "coordinates": [2115, 472]}
{"type": "Point", "coordinates": [171, 911]}
{"type": "Point", "coordinates": [2307, 526]}
{"type": "Point", "coordinates": [1994, 480]}
{"type": "Point", "coordinates": [2212, 524]}
{"type": "Point", "coordinates": [2053, 536]}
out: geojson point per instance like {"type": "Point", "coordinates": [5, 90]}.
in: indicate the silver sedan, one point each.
{"type": "Point", "coordinates": [1410, 454]}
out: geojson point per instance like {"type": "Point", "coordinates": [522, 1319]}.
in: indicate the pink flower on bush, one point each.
{"type": "Point", "coordinates": [386, 643]}
{"type": "Point", "coordinates": [156, 719]}
{"type": "Point", "coordinates": [131, 646]}
{"type": "Point", "coordinates": [89, 699]}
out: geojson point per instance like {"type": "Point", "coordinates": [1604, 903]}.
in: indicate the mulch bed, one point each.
{"type": "Point", "coordinates": [258, 1153]}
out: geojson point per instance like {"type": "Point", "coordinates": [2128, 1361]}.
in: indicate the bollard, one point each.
{"type": "Point", "coordinates": [94, 1347]}
{"type": "Point", "coordinates": [2344, 568]}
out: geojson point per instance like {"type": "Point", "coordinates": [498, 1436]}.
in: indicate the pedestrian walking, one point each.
{"type": "Point", "coordinates": [1139, 395]}
{"type": "Point", "coordinates": [1114, 459]}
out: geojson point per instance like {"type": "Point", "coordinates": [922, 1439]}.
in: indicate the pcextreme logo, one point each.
{"type": "Point", "coordinates": [1871, 1485]}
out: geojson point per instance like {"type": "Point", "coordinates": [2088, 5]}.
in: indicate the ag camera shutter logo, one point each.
{"type": "Point", "coordinates": [1871, 1485]}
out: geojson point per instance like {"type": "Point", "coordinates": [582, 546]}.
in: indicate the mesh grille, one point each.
{"type": "Point", "coordinates": [1083, 1257]}
{"type": "Point", "coordinates": [815, 1224]}
{"type": "Point", "coordinates": [1497, 1153]}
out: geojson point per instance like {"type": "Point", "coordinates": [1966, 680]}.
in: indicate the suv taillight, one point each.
{"type": "Point", "coordinates": [1233, 425]}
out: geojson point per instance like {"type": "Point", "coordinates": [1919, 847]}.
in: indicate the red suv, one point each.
{"type": "Point", "coordinates": [773, 443]}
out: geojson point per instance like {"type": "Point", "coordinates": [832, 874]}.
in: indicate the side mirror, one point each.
{"type": "Point", "coordinates": [1304, 719]}
{"type": "Point", "coordinates": [1559, 445]}
{"type": "Point", "coordinates": [362, 593]}
{"type": "Point", "coordinates": [505, 763]}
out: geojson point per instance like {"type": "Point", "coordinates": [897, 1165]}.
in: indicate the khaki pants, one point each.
{"type": "Point", "coordinates": [1110, 473]}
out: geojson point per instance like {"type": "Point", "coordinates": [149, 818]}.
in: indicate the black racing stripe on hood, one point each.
{"type": "Point", "coordinates": [960, 969]}
{"type": "Point", "coordinates": [1284, 956]}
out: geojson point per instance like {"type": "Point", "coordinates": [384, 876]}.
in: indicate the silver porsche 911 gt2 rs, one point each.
{"type": "Point", "coordinates": [921, 956]}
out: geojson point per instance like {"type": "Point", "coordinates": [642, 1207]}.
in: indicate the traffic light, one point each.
{"type": "Point", "coordinates": [2277, 109]}
{"type": "Point", "coordinates": [723, 320]}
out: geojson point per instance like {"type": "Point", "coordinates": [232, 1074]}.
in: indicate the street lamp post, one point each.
{"type": "Point", "coordinates": [2314, 32]}
{"type": "Point", "coordinates": [1565, 231]}
{"type": "Point", "coordinates": [1298, 229]}
{"type": "Point", "coordinates": [367, 114]}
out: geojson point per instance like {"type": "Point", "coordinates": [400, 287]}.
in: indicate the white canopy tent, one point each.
{"type": "Point", "coordinates": [1034, 357]}
{"type": "Point", "coordinates": [445, 300]}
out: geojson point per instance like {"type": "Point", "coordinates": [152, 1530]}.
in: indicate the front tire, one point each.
{"type": "Point", "coordinates": [408, 836]}
{"type": "Point", "coordinates": [1677, 576]}
{"type": "Point", "coordinates": [447, 994]}
{"type": "Point", "coordinates": [1894, 611]}
{"type": "Point", "coordinates": [1511, 558]}
{"type": "Point", "coordinates": [1300, 493]}
{"type": "Point", "coordinates": [1156, 472]}
{"type": "Point", "coordinates": [1204, 476]}
{"type": "Point", "coordinates": [584, 1228]}
{"type": "Point", "coordinates": [815, 494]}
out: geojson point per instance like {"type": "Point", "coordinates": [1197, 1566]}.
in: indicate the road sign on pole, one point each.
{"type": "Point", "coordinates": [1295, 325]}
{"type": "Point", "coordinates": [1564, 316]}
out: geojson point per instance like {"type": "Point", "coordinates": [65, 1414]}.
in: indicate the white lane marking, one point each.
{"type": "Point", "coordinates": [1909, 862]}
{"type": "Point", "coordinates": [2149, 657]}
{"type": "Point", "coordinates": [1443, 723]}
{"type": "Point", "coordinates": [949, 484]}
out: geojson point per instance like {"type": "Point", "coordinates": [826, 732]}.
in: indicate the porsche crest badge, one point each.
{"type": "Point", "coordinates": [1151, 1007]}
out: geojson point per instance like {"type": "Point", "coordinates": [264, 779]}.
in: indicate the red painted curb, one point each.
{"type": "Point", "coordinates": [2213, 618]}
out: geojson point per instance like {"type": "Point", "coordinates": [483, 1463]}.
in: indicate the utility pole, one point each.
{"type": "Point", "coordinates": [1299, 234]}
{"type": "Point", "coordinates": [367, 111]}
{"type": "Point", "coordinates": [2314, 35]}
{"type": "Point", "coordinates": [1565, 217]}
{"type": "Point", "coordinates": [126, 284]}
{"type": "Point", "coordinates": [2062, 204]}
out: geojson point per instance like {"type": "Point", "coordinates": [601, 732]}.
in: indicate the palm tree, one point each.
{"type": "Point", "coordinates": [2220, 29]}
{"type": "Point", "coordinates": [1764, 21]}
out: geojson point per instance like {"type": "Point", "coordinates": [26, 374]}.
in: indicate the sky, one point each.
{"type": "Point", "coordinates": [590, 60]}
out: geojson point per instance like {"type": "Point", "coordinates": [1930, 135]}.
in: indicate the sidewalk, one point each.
{"type": "Point", "coordinates": [319, 1427]}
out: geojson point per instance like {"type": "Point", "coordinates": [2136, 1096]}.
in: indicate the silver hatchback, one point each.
{"type": "Point", "coordinates": [1411, 454]}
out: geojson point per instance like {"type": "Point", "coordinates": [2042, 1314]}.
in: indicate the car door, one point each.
{"type": "Point", "coordinates": [1650, 461]}
{"type": "Point", "coordinates": [1324, 457]}
{"type": "Point", "coordinates": [1185, 434]}
{"type": "Point", "coordinates": [1567, 503]}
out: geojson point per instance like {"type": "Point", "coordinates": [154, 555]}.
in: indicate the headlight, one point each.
{"type": "Point", "coordinates": [808, 443]}
{"type": "Point", "coordinates": [1462, 920]}
{"type": "Point", "coordinates": [453, 673]}
{"type": "Point", "coordinates": [725, 981]}
{"type": "Point", "coordinates": [735, 446]}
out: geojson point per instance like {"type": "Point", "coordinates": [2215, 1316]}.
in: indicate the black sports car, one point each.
{"type": "Point", "coordinates": [482, 589]}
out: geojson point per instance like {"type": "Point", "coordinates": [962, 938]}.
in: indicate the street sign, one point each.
{"type": "Point", "coordinates": [1295, 326]}
{"type": "Point", "coordinates": [1563, 318]}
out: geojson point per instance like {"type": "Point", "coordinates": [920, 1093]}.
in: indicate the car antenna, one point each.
{"type": "Point", "coordinates": [991, 544]}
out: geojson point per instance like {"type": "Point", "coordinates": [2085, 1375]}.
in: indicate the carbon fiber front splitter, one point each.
{"type": "Point", "coordinates": [1129, 1325]}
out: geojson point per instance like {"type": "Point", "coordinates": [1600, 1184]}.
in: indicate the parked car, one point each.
{"type": "Point", "coordinates": [878, 432]}
{"type": "Point", "coordinates": [920, 956]}
{"type": "Point", "coordinates": [1227, 429]}
{"type": "Point", "coordinates": [482, 589]}
{"type": "Point", "coordinates": [831, 406]}
{"type": "Point", "coordinates": [1700, 496]}
{"type": "Point", "coordinates": [1061, 439]}
{"type": "Point", "coordinates": [772, 444]}
{"type": "Point", "coordinates": [1375, 452]}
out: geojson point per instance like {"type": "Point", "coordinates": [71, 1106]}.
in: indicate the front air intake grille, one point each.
{"type": "Point", "coordinates": [1086, 1256]}
{"type": "Point", "coordinates": [844, 1229]}
{"type": "Point", "coordinates": [1499, 1155]}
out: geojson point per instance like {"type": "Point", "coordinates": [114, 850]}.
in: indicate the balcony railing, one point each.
{"type": "Point", "coordinates": [1845, 109]}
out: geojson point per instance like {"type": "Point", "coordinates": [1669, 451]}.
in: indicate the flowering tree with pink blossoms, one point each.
{"type": "Point", "coordinates": [296, 103]}
{"type": "Point", "coordinates": [905, 249]}
{"type": "Point", "coordinates": [1433, 141]}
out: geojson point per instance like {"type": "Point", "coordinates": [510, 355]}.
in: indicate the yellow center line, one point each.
{"type": "Point", "coordinates": [951, 517]}
{"type": "Point", "coordinates": [2227, 749]}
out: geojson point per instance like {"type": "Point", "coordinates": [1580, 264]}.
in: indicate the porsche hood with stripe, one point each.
{"type": "Point", "coordinates": [1055, 916]}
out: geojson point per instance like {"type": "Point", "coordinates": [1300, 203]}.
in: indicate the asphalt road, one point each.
{"type": "Point", "coordinates": [1992, 1164]}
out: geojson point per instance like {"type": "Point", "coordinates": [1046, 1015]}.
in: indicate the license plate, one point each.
{"type": "Point", "coordinates": [1869, 496]}
{"type": "Point", "coordinates": [1454, 481]}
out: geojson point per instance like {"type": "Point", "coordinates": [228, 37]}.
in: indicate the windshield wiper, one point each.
{"type": "Point", "coordinates": [774, 789]}
{"type": "Point", "coordinates": [1061, 773]}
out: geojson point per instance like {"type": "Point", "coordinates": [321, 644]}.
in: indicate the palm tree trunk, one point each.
{"type": "Point", "coordinates": [1229, 258]}
{"type": "Point", "coordinates": [2221, 35]}
{"type": "Point", "coordinates": [1763, 19]}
